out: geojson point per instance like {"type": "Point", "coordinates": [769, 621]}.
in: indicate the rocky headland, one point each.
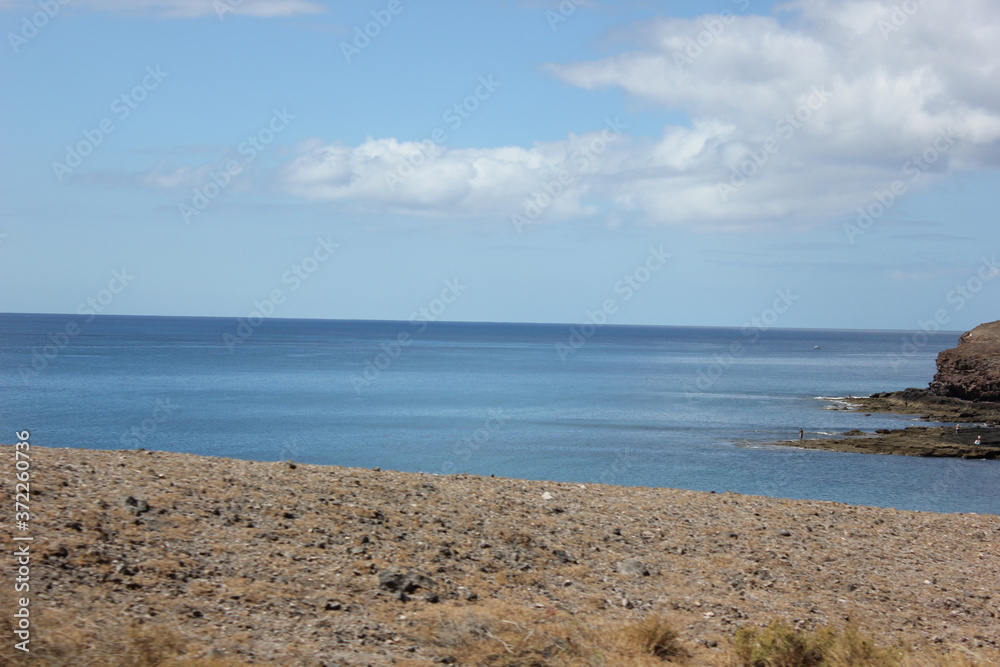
{"type": "Point", "coordinates": [965, 390]}
{"type": "Point", "coordinates": [971, 370]}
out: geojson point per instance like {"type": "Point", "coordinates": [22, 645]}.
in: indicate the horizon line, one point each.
{"type": "Point", "coordinates": [466, 322]}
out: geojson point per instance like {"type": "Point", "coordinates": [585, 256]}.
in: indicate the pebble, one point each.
{"type": "Point", "coordinates": [373, 540]}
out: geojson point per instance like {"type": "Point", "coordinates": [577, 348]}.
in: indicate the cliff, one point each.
{"type": "Point", "coordinates": [971, 370]}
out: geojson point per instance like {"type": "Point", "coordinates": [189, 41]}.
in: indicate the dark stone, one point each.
{"type": "Point", "coordinates": [406, 582]}
{"type": "Point", "coordinates": [391, 580]}
{"type": "Point", "coordinates": [563, 556]}
{"type": "Point", "coordinates": [138, 506]}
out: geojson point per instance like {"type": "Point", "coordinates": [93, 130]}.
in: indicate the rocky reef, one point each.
{"type": "Point", "coordinates": [966, 390]}
{"type": "Point", "coordinates": [971, 371]}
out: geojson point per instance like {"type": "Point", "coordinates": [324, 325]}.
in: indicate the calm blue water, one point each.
{"type": "Point", "coordinates": [658, 406]}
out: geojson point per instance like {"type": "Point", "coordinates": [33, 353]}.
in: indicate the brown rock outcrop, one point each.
{"type": "Point", "coordinates": [971, 370]}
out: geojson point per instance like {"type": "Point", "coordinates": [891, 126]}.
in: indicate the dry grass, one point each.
{"type": "Point", "coordinates": [655, 636]}
{"type": "Point", "coordinates": [500, 634]}
{"type": "Point", "coordinates": [779, 645]}
{"type": "Point", "coordinates": [506, 635]}
{"type": "Point", "coordinates": [88, 643]}
{"type": "Point", "coordinates": [509, 636]}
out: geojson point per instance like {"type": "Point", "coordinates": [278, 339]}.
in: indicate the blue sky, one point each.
{"type": "Point", "coordinates": [213, 152]}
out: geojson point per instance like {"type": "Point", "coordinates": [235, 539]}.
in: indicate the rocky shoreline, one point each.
{"type": "Point", "coordinates": [976, 420]}
{"type": "Point", "coordinates": [182, 559]}
{"type": "Point", "coordinates": [965, 390]}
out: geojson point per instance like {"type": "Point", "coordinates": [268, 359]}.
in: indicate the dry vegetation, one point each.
{"type": "Point", "coordinates": [150, 558]}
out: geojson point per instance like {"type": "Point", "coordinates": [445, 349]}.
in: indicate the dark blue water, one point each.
{"type": "Point", "coordinates": [658, 406]}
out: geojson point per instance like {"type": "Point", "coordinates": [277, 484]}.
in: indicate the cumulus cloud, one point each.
{"type": "Point", "coordinates": [425, 178]}
{"type": "Point", "coordinates": [797, 118]}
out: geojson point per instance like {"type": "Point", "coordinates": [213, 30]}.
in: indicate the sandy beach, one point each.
{"type": "Point", "coordinates": [238, 562]}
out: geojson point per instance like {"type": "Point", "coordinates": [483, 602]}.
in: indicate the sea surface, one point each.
{"type": "Point", "coordinates": [683, 407]}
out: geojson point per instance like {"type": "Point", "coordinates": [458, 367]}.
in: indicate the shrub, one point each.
{"type": "Point", "coordinates": [779, 645]}
{"type": "Point", "coordinates": [655, 635]}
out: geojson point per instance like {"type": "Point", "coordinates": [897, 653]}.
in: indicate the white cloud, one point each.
{"type": "Point", "coordinates": [426, 178]}
{"type": "Point", "coordinates": [833, 97]}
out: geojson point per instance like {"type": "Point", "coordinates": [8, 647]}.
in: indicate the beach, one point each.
{"type": "Point", "coordinates": [240, 562]}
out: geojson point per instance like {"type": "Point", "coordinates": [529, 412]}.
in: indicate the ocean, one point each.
{"type": "Point", "coordinates": [683, 407]}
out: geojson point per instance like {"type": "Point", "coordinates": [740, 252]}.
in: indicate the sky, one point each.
{"type": "Point", "coordinates": [808, 164]}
